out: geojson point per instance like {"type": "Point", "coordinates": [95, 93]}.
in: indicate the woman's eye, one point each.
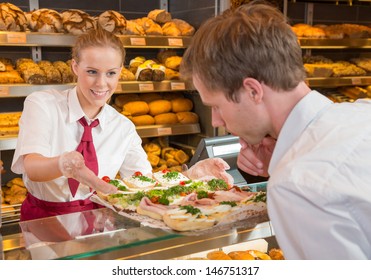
{"type": "Point", "coordinates": [111, 74]}
{"type": "Point", "coordinates": [92, 72]}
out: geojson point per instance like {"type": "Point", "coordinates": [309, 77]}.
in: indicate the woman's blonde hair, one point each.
{"type": "Point", "coordinates": [97, 38]}
{"type": "Point", "coordinates": [253, 41]}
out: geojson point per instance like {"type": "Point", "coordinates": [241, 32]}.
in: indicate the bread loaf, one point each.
{"type": "Point", "coordinates": [158, 107]}
{"type": "Point", "coordinates": [135, 62]}
{"type": "Point", "coordinates": [65, 70]}
{"type": "Point", "coordinates": [45, 20]}
{"type": "Point", "coordinates": [159, 16]}
{"type": "Point", "coordinates": [143, 120]}
{"type": "Point", "coordinates": [30, 71]}
{"type": "Point", "coordinates": [185, 28]}
{"type": "Point", "coordinates": [173, 62]}
{"type": "Point", "coordinates": [53, 76]}
{"type": "Point", "coordinates": [12, 18]}
{"type": "Point", "coordinates": [77, 22]}
{"type": "Point", "coordinates": [136, 108]}
{"type": "Point", "coordinates": [10, 77]}
{"type": "Point", "coordinates": [167, 118]}
{"type": "Point", "coordinates": [150, 27]}
{"type": "Point", "coordinates": [181, 105]}
{"type": "Point", "coordinates": [112, 21]}
{"type": "Point", "coordinates": [133, 28]}
{"type": "Point", "coordinates": [126, 75]}
{"type": "Point", "coordinates": [170, 29]}
{"type": "Point", "coordinates": [187, 117]}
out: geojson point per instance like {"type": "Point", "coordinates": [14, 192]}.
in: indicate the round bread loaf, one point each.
{"type": "Point", "coordinates": [12, 18]}
{"type": "Point", "coordinates": [112, 21]}
{"type": "Point", "coordinates": [158, 107]}
{"type": "Point", "coordinates": [181, 105]}
{"type": "Point", "coordinates": [77, 22]}
{"type": "Point", "coordinates": [45, 20]}
{"type": "Point", "coordinates": [167, 118]}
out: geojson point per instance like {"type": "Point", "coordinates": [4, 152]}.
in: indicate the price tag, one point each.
{"type": "Point", "coordinates": [175, 42]}
{"type": "Point", "coordinates": [4, 91]}
{"type": "Point", "coordinates": [356, 81]}
{"type": "Point", "coordinates": [138, 41]}
{"type": "Point", "coordinates": [177, 86]}
{"type": "Point", "coordinates": [146, 87]}
{"type": "Point", "coordinates": [164, 131]}
{"type": "Point", "coordinates": [17, 38]}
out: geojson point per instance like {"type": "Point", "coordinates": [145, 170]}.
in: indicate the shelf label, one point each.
{"type": "Point", "coordinates": [175, 42]}
{"type": "Point", "coordinates": [146, 87]}
{"type": "Point", "coordinates": [17, 38]}
{"type": "Point", "coordinates": [356, 81]}
{"type": "Point", "coordinates": [138, 41]}
{"type": "Point", "coordinates": [177, 86]}
{"type": "Point", "coordinates": [4, 91]}
{"type": "Point", "coordinates": [164, 131]}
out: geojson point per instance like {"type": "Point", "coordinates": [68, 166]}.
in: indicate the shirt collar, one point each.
{"type": "Point", "coordinates": [76, 112]}
{"type": "Point", "coordinates": [307, 109]}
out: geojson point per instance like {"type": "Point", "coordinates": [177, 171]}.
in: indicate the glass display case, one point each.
{"type": "Point", "coordinates": [105, 234]}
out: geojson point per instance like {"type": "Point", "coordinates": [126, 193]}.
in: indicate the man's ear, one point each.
{"type": "Point", "coordinates": [254, 88]}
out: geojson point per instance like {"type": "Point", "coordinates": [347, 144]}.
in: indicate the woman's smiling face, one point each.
{"type": "Point", "coordinates": [98, 73]}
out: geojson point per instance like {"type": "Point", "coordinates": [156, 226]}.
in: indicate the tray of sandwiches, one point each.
{"type": "Point", "coordinates": [169, 200]}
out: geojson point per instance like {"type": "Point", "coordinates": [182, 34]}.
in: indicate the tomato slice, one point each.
{"type": "Point", "coordinates": [165, 170]}
{"type": "Point", "coordinates": [106, 179]}
{"type": "Point", "coordinates": [138, 173]}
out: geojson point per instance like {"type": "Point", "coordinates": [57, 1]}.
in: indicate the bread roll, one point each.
{"type": "Point", "coordinates": [180, 221]}
{"type": "Point", "coordinates": [136, 108]}
{"type": "Point", "coordinates": [158, 107]}
{"type": "Point", "coordinates": [10, 77]}
{"type": "Point", "coordinates": [153, 159]}
{"type": "Point", "coordinates": [181, 105]}
{"type": "Point", "coordinates": [167, 118]}
{"type": "Point", "coordinates": [152, 148]}
{"type": "Point", "coordinates": [187, 117]}
{"type": "Point", "coordinates": [143, 120]}
{"type": "Point", "coordinates": [171, 74]}
{"type": "Point", "coordinates": [160, 16]}
{"type": "Point", "coordinates": [53, 76]}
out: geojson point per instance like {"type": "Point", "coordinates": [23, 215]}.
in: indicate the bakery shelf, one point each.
{"type": "Point", "coordinates": [166, 130]}
{"type": "Point", "coordinates": [8, 143]}
{"type": "Point", "coordinates": [34, 39]}
{"type": "Point", "coordinates": [10, 213]}
{"type": "Point", "coordinates": [338, 82]}
{"type": "Point", "coordinates": [348, 43]}
{"type": "Point", "coordinates": [19, 90]}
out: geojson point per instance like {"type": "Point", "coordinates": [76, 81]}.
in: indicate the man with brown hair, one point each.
{"type": "Point", "coordinates": [247, 66]}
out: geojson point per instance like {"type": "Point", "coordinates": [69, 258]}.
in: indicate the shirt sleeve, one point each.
{"type": "Point", "coordinates": [34, 133]}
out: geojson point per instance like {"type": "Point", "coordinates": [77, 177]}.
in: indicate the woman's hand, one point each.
{"type": "Point", "coordinates": [72, 165]}
{"type": "Point", "coordinates": [254, 159]}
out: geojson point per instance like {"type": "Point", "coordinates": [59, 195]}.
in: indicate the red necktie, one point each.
{"type": "Point", "coordinates": [86, 148]}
